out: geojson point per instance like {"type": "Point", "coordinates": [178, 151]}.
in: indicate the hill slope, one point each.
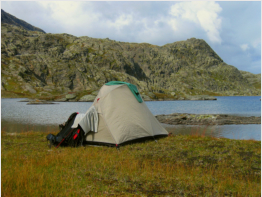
{"type": "Point", "coordinates": [12, 20]}
{"type": "Point", "coordinates": [39, 64]}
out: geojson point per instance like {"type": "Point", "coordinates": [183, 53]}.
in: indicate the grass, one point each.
{"type": "Point", "coordinates": [182, 165]}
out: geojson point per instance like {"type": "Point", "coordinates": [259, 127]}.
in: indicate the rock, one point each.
{"type": "Point", "coordinates": [87, 98]}
{"type": "Point", "coordinates": [72, 100]}
{"type": "Point", "coordinates": [61, 100]}
{"type": "Point", "coordinates": [151, 95]}
{"type": "Point", "coordinates": [39, 102]}
{"type": "Point", "coordinates": [70, 96]}
{"type": "Point", "coordinates": [44, 94]}
{"type": "Point", "coordinates": [203, 97]}
{"type": "Point", "coordinates": [146, 98]}
{"type": "Point", "coordinates": [95, 92]}
{"type": "Point", "coordinates": [48, 88]}
{"type": "Point", "coordinates": [209, 98]}
{"type": "Point", "coordinates": [173, 93]}
{"type": "Point", "coordinates": [206, 119]}
{"type": "Point", "coordinates": [29, 88]}
{"type": "Point", "coordinates": [3, 85]}
{"type": "Point", "coordinates": [195, 98]}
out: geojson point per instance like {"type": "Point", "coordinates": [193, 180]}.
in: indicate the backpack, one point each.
{"type": "Point", "coordinates": [67, 136]}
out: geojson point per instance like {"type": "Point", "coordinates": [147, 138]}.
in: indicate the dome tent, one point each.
{"type": "Point", "coordinates": [122, 116]}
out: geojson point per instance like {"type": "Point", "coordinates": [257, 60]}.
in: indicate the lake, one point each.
{"type": "Point", "coordinates": [18, 116]}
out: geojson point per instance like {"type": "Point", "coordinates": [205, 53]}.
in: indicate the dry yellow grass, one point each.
{"type": "Point", "coordinates": [174, 166]}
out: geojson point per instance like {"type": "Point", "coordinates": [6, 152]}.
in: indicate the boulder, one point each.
{"type": "Point", "coordinates": [44, 94]}
{"type": "Point", "coordinates": [151, 95]}
{"type": "Point", "coordinates": [87, 98]}
{"type": "Point", "coordinates": [209, 98]}
{"type": "Point", "coordinates": [48, 88]}
{"type": "Point", "coordinates": [173, 93]}
{"type": "Point", "coordinates": [70, 96]}
{"type": "Point", "coordinates": [29, 88]}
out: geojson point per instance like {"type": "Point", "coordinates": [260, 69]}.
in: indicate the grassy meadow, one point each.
{"type": "Point", "coordinates": [182, 165]}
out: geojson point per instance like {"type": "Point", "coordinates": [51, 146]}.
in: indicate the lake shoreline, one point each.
{"type": "Point", "coordinates": [206, 119]}
{"type": "Point", "coordinates": [19, 117]}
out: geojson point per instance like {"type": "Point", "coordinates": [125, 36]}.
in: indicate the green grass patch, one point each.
{"type": "Point", "coordinates": [174, 166]}
{"type": "Point", "coordinates": [12, 94]}
{"type": "Point", "coordinates": [257, 85]}
{"type": "Point", "coordinates": [163, 96]}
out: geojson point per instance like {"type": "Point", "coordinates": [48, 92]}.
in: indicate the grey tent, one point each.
{"type": "Point", "coordinates": [118, 115]}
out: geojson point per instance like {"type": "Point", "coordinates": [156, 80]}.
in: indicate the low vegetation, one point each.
{"type": "Point", "coordinates": [182, 165]}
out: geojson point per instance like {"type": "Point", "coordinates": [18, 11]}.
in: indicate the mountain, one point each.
{"type": "Point", "coordinates": [12, 20]}
{"type": "Point", "coordinates": [50, 65]}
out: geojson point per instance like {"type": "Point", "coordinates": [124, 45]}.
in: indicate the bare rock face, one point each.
{"type": "Point", "coordinates": [62, 63]}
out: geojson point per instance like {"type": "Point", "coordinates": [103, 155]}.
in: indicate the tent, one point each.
{"type": "Point", "coordinates": [118, 115]}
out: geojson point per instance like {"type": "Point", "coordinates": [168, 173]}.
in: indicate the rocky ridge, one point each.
{"type": "Point", "coordinates": [10, 19]}
{"type": "Point", "coordinates": [57, 66]}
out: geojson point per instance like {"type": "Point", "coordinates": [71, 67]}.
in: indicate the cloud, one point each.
{"type": "Point", "coordinates": [256, 43]}
{"type": "Point", "coordinates": [93, 19]}
{"type": "Point", "coordinates": [69, 14]}
{"type": "Point", "coordinates": [244, 47]}
{"type": "Point", "coordinates": [204, 14]}
{"type": "Point", "coordinates": [231, 28]}
{"type": "Point", "coordinates": [120, 22]}
{"type": "Point", "coordinates": [64, 11]}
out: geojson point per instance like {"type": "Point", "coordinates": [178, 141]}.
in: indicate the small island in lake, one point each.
{"type": "Point", "coordinates": [206, 119]}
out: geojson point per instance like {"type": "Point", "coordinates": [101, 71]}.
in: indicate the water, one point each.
{"type": "Point", "coordinates": [18, 116]}
{"type": "Point", "coordinates": [236, 105]}
{"type": "Point", "coordinates": [241, 132]}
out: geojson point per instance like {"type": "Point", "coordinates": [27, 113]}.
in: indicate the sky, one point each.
{"type": "Point", "coordinates": [231, 28]}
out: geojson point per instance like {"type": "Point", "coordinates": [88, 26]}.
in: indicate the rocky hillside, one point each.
{"type": "Point", "coordinates": [50, 65]}
{"type": "Point", "coordinates": [12, 20]}
{"type": "Point", "coordinates": [253, 79]}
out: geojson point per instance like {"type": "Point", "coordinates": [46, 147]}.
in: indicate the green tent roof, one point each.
{"type": "Point", "coordinates": [132, 87]}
